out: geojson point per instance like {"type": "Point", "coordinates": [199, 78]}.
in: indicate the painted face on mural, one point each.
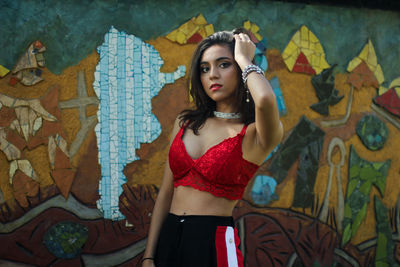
{"type": "Point", "coordinates": [219, 73]}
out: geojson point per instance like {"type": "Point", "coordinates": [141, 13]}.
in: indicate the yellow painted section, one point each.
{"type": "Point", "coordinates": [306, 42]}
{"type": "Point", "coordinates": [3, 71]}
{"type": "Point", "coordinates": [368, 55]}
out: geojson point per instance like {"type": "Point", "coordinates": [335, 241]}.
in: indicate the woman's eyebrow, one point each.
{"type": "Point", "coordinates": [218, 59]}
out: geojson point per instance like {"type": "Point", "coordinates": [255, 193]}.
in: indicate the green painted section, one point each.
{"type": "Point", "coordinates": [72, 29]}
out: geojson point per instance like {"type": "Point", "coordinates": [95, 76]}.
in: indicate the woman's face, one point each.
{"type": "Point", "coordinates": [219, 74]}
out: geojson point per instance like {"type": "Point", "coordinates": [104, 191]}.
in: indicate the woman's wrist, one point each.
{"type": "Point", "coordinates": [243, 62]}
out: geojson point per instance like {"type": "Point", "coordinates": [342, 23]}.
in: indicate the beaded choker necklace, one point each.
{"type": "Point", "coordinates": [224, 115]}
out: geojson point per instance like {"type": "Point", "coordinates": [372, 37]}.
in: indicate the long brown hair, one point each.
{"type": "Point", "coordinates": [204, 105]}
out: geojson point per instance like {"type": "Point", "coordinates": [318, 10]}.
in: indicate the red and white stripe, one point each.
{"type": "Point", "coordinates": [227, 245]}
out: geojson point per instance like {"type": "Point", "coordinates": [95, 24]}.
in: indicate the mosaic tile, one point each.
{"type": "Point", "coordinates": [273, 152]}
{"type": "Point", "coordinates": [10, 150]}
{"type": "Point", "coordinates": [57, 143]}
{"type": "Point", "coordinates": [24, 187]}
{"type": "Point", "coordinates": [372, 132]}
{"type": "Point", "coordinates": [334, 169]}
{"type": "Point", "coordinates": [3, 71]}
{"type": "Point", "coordinates": [126, 79]}
{"type": "Point", "coordinates": [66, 239]}
{"type": "Point", "coordinates": [192, 31]}
{"type": "Point", "coordinates": [385, 244]}
{"type": "Point", "coordinates": [304, 53]}
{"type": "Point", "coordinates": [343, 120]}
{"type": "Point", "coordinates": [362, 175]}
{"type": "Point", "coordinates": [362, 76]}
{"type": "Point", "coordinates": [324, 85]}
{"type": "Point", "coordinates": [24, 166]}
{"type": "Point", "coordinates": [15, 140]}
{"type": "Point", "coordinates": [63, 179]}
{"type": "Point", "coordinates": [263, 190]}
{"type": "Point", "coordinates": [368, 56]}
{"type": "Point", "coordinates": [390, 101]}
{"type": "Point", "coordinates": [306, 175]}
{"type": "Point", "coordinates": [26, 70]}
{"type": "Point", "coordinates": [27, 111]}
{"type": "Point", "coordinates": [81, 103]}
{"type": "Point", "coordinates": [304, 133]}
{"type": "Point", "coordinates": [302, 65]}
{"type": "Point", "coordinates": [278, 95]}
{"type": "Point", "coordinates": [61, 160]}
{"type": "Point", "coordinates": [396, 85]}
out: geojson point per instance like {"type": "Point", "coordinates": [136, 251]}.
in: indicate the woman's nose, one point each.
{"type": "Point", "coordinates": [214, 72]}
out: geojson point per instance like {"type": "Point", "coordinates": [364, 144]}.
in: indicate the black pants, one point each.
{"type": "Point", "coordinates": [198, 241]}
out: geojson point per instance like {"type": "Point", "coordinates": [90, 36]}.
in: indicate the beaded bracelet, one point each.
{"type": "Point", "coordinates": [249, 69]}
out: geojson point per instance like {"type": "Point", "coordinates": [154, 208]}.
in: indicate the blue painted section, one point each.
{"type": "Point", "coordinates": [263, 190]}
{"type": "Point", "coordinates": [278, 95]}
{"type": "Point", "coordinates": [273, 152]}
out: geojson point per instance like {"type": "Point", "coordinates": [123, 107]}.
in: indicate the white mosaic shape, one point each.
{"type": "Point", "coordinates": [126, 79]}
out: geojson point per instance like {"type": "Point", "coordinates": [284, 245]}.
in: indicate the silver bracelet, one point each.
{"type": "Point", "coordinates": [249, 69]}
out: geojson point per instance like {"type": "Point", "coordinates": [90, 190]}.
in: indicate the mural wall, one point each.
{"type": "Point", "coordinates": [89, 92]}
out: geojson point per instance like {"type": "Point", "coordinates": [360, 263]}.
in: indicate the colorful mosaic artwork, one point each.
{"type": "Point", "coordinates": [192, 31]}
{"type": "Point", "coordinates": [367, 56]}
{"type": "Point", "coordinates": [304, 53]}
{"type": "Point", "coordinates": [362, 175]}
{"type": "Point", "coordinates": [126, 79]}
{"type": "Point", "coordinates": [261, 44]}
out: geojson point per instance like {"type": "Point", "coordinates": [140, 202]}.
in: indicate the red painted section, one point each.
{"type": "Point", "coordinates": [302, 65]}
{"type": "Point", "coordinates": [389, 101]}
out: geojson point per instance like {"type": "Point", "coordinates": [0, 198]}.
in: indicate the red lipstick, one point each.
{"type": "Point", "coordinates": [215, 86]}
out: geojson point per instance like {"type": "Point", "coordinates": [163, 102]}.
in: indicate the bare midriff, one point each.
{"type": "Point", "coordinates": [189, 201]}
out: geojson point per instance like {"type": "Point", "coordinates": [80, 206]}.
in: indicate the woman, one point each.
{"type": "Point", "coordinates": [215, 150]}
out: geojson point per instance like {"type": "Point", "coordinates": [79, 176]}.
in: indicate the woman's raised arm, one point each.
{"type": "Point", "coordinates": [267, 131]}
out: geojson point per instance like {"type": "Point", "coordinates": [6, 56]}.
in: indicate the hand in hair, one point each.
{"type": "Point", "coordinates": [244, 50]}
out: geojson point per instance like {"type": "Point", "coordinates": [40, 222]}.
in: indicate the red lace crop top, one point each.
{"type": "Point", "coordinates": [221, 171]}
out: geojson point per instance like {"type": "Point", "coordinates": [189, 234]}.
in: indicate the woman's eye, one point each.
{"type": "Point", "coordinates": [204, 69]}
{"type": "Point", "coordinates": [224, 65]}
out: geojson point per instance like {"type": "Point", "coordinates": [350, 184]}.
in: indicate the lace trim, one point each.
{"type": "Point", "coordinates": [232, 192]}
